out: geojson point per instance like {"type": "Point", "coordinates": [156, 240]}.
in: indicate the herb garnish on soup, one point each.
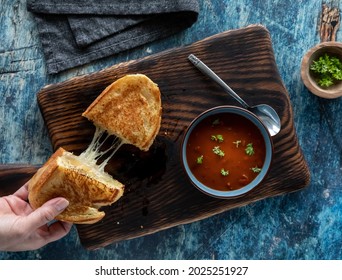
{"type": "Point", "coordinates": [225, 151]}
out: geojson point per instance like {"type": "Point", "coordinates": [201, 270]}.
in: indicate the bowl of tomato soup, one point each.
{"type": "Point", "coordinates": [226, 151]}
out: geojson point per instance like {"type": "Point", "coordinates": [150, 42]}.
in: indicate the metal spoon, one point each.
{"type": "Point", "coordinates": [266, 113]}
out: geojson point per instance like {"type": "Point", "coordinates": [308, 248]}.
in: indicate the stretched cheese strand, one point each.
{"type": "Point", "coordinates": [93, 154]}
{"type": "Point", "coordinates": [115, 146]}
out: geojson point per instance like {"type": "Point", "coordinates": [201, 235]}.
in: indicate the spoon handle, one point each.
{"type": "Point", "coordinates": [210, 73]}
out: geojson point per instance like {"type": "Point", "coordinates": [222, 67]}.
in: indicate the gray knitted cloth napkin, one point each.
{"type": "Point", "coordinates": [76, 32]}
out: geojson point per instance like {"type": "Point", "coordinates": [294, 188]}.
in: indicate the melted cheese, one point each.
{"type": "Point", "coordinates": [93, 153]}
{"type": "Point", "coordinates": [73, 162]}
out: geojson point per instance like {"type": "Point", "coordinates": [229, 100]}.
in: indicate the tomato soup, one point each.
{"type": "Point", "coordinates": [225, 151]}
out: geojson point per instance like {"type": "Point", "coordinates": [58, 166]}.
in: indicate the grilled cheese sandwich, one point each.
{"type": "Point", "coordinates": [130, 110]}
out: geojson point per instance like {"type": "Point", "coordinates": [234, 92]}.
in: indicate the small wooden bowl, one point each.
{"type": "Point", "coordinates": [308, 77]}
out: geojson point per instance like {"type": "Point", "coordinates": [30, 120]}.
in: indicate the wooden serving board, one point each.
{"type": "Point", "coordinates": [158, 194]}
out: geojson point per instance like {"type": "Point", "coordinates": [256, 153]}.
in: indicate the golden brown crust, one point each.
{"type": "Point", "coordinates": [129, 108]}
{"type": "Point", "coordinates": [42, 175]}
{"type": "Point", "coordinates": [85, 192]}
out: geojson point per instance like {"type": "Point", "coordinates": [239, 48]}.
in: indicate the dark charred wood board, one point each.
{"type": "Point", "coordinates": [157, 193]}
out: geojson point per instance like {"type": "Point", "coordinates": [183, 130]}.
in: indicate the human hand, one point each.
{"type": "Point", "coordinates": [22, 228]}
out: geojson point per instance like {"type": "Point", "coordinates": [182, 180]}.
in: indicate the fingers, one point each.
{"type": "Point", "coordinates": [58, 230]}
{"type": "Point", "coordinates": [46, 213]}
{"type": "Point", "coordinates": [36, 223]}
{"type": "Point", "coordinates": [31, 231]}
{"type": "Point", "coordinates": [22, 192]}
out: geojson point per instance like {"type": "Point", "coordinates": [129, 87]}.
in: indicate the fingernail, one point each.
{"type": "Point", "coordinates": [61, 204]}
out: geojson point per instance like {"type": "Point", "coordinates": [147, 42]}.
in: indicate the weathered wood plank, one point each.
{"type": "Point", "coordinates": [156, 185]}
{"type": "Point", "coordinates": [13, 176]}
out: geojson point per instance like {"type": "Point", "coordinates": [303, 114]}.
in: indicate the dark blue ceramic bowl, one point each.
{"type": "Point", "coordinates": [268, 157]}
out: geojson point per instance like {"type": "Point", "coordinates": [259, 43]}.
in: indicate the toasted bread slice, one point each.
{"type": "Point", "coordinates": [129, 108]}
{"type": "Point", "coordinates": [85, 186]}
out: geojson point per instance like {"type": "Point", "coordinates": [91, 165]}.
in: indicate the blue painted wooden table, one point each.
{"type": "Point", "coordinates": [303, 225]}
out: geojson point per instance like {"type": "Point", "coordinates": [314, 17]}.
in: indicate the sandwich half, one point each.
{"type": "Point", "coordinates": [82, 183]}
{"type": "Point", "coordinates": [129, 109]}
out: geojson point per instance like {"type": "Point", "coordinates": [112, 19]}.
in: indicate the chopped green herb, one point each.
{"type": "Point", "coordinates": [224, 172]}
{"type": "Point", "coordinates": [220, 138]}
{"type": "Point", "coordinates": [256, 169]}
{"type": "Point", "coordinates": [218, 151]}
{"type": "Point", "coordinates": [213, 137]}
{"type": "Point", "coordinates": [200, 159]}
{"type": "Point", "coordinates": [216, 122]}
{"type": "Point", "coordinates": [249, 150]}
{"type": "Point", "coordinates": [329, 70]}
{"type": "Point", "coordinates": [237, 143]}
{"type": "Point", "coordinates": [217, 137]}
{"type": "Point", "coordinates": [325, 81]}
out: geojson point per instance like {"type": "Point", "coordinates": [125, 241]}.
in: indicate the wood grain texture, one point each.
{"type": "Point", "coordinates": [158, 195]}
{"type": "Point", "coordinates": [13, 176]}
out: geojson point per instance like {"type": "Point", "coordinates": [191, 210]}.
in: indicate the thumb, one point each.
{"type": "Point", "coordinates": [47, 212]}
